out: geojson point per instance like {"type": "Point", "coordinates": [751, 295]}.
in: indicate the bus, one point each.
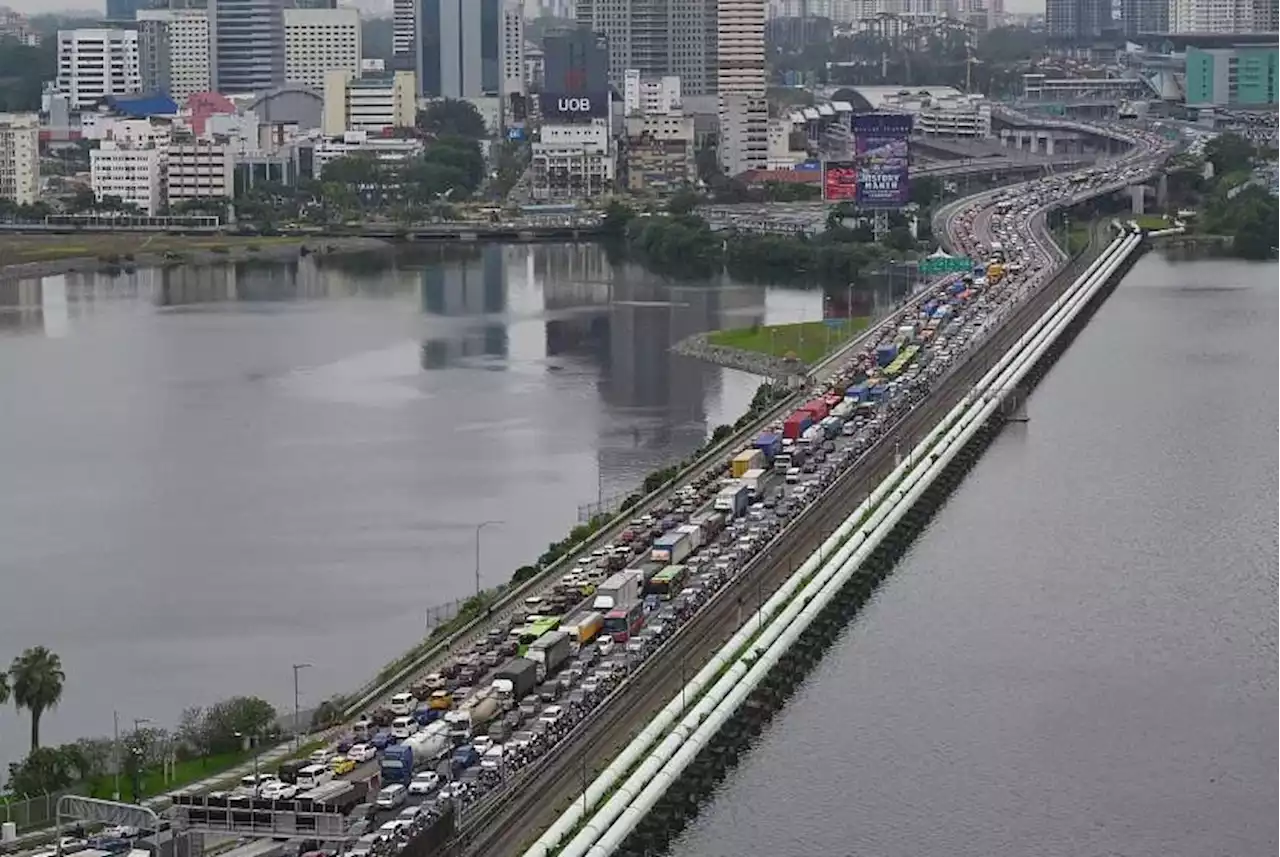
{"type": "Point", "coordinates": [534, 629]}
{"type": "Point", "coordinates": [668, 582]}
{"type": "Point", "coordinates": [623, 622]}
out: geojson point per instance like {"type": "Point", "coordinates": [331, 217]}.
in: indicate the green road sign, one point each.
{"type": "Point", "coordinates": [935, 265]}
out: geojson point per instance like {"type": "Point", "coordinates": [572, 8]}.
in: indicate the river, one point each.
{"type": "Point", "coordinates": [1078, 657]}
{"type": "Point", "coordinates": [214, 473]}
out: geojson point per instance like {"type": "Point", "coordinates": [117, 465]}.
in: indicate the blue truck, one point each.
{"type": "Point", "coordinates": [886, 353]}
{"type": "Point", "coordinates": [397, 764]}
{"type": "Point", "coordinates": [770, 445]}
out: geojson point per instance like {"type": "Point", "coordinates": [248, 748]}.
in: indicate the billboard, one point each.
{"type": "Point", "coordinates": [882, 149]}
{"type": "Point", "coordinates": [839, 181]}
{"type": "Point", "coordinates": [576, 107]}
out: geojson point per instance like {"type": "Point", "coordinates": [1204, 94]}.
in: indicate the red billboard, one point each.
{"type": "Point", "coordinates": [839, 181]}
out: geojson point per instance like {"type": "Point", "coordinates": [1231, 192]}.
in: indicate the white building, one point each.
{"type": "Point", "coordinates": [320, 40]}
{"type": "Point", "coordinates": [200, 169]}
{"type": "Point", "coordinates": [1212, 16]}
{"type": "Point", "coordinates": [780, 155]}
{"type": "Point", "coordinates": [744, 132]}
{"type": "Point", "coordinates": [949, 115]}
{"type": "Point", "coordinates": [511, 49]}
{"type": "Point", "coordinates": [133, 175]}
{"type": "Point", "coordinates": [93, 63]}
{"type": "Point", "coordinates": [370, 104]}
{"type": "Point", "coordinates": [388, 150]}
{"type": "Point", "coordinates": [660, 155]}
{"type": "Point", "coordinates": [740, 47]}
{"type": "Point", "coordinates": [152, 132]}
{"type": "Point", "coordinates": [403, 27]}
{"type": "Point", "coordinates": [20, 157]}
{"type": "Point", "coordinates": [188, 45]}
{"type": "Point", "coordinates": [649, 96]}
{"type": "Point", "coordinates": [573, 161]}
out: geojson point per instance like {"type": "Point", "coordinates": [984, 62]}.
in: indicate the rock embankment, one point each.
{"type": "Point", "coordinates": [699, 347]}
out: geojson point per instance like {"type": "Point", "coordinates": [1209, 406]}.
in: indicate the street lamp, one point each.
{"type": "Point", "coordinates": [480, 526]}
{"type": "Point", "coordinates": [297, 717]}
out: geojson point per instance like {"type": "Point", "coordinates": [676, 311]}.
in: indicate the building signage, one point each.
{"type": "Point", "coordinates": [839, 181]}
{"type": "Point", "coordinates": [576, 107]}
{"type": "Point", "coordinates": [882, 146]}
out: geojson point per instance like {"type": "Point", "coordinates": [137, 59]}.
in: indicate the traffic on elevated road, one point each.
{"type": "Point", "coordinates": [463, 730]}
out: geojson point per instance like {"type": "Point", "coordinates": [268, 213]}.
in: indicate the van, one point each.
{"type": "Point", "coordinates": [391, 797]}
{"type": "Point", "coordinates": [403, 727]}
{"type": "Point", "coordinates": [313, 776]}
{"type": "Point", "coordinates": [403, 704]}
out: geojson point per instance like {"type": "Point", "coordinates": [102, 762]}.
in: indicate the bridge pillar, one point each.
{"type": "Point", "coordinates": [1014, 406]}
{"type": "Point", "coordinates": [1048, 144]}
{"type": "Point", "coordinates": [1138, 196]}
{"type": "Point", "coordinates": [1162, 191]}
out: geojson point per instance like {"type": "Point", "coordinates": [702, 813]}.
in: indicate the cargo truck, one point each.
{"type": "Point", "coordinates": [696, 537]}
{"type": "Point", "coordinates": [551, 651]}
{"type": "Point", "coordinates": [752, 479]}
{"type": "Point", "coordinates": [517, 677]}
{"type": "Point", "coordinates": [817, 409]}
{"type": "Point", "coordinates": [620, 590]}
{"type": "Point", "coordinates": [886, 353]}
{"type": "Point", "coordinates": [711, 522]}
{"type": "Point", "coordinates": [583, 628]}
{"type": "Point", "coordinates": [770, 445]}
{"type": "Point", "coordinates": [477, 714]}
{"type": "Point", "coordinates": [733, 500]}
{"type": "Point", "coordinates": [397, 764]}
{"type": "Point", "coordinates": [794, 426]}
{"type": "Point", "coordinates": [748, 459]}
{"type": "Point", "coordinates": [671, 547]}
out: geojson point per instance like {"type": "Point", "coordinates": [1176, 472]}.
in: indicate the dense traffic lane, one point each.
{"type": "Point", "coordinates": [501, 830]}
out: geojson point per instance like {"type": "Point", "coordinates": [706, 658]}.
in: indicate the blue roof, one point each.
{"type": "Point", "coordinates": [141, 106]}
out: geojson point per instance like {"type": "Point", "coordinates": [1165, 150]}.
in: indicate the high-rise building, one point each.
{"type": "Point", "coordinates": [512, 49]}
{"type": "Point", "coordinates": [133, 175]}
{"type": "Point", "coordinates": [744, 132]}
{"type": "Point", "coordinates": [1144, 16]}
{"type": "Point", "coordinates": [182, 37]}
{"type": "Point", "coordinates": [247, 38]}
{"type": "Point", "coordinates": [1243, 77]}
{"type": "Point", "coordinates": [372, 104]}
{"type": "Point", "coordinates": [658, 38]}
{"type": "Point", "coordinates": [126, 11]}
{"type": "Point", "coordinates": [20, 157]}
{"type": "Point", "coordinates": [1266, 16]}
{"type": "Point", "coordinates": [1212, 16]}
{"type": "Point", "coordinates": [404, 25]}
{"type": "Point", "coordinates": [456, 54]}
{"type": "Point", "coordinates": [317, 41]}
{"type": "Point", "coordinates": [93, 63]}
{"type": "Point", "coordinates": [199, 169]}
{"type": "Point", "coordinates": [740, 47]}
{"type": "Point", "coordinates": [575, 62]}
{"type": "Point", "coordinates": [1077, 21]}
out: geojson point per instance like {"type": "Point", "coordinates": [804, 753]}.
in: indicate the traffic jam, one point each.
{"type": "Point", "coordinates": [502, 703]}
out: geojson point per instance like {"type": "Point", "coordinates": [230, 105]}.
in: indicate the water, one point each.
{"type": "Point", "coordinates": [212, 474]}
{"type": "Point", "coordinates": [1079, 655]}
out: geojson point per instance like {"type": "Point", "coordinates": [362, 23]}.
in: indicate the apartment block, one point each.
{"type": "Point", "coordinates": [93, 63]}
{"type": "Point", "coordinates": [199, 169]}
{"type": "Point", "coordinates": [186, 48]}
{"type": "Point", "coordinates": [20, 157]}
{"type": "Point", "coordinates": [317, 41]}
{"type": "Point", "coordinates": [660, 155]}
{"type": "Point", "coordinates": [744, 132]}
{"type": "Point", "coordinates": [373, 104]}
{"type": "Point", "coordinates": [135, 176]}
{"type": "Point", "coordinates": [643, 96]}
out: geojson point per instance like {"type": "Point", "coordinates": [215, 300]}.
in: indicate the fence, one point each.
{"type": "Point", "coordinates": [442, 613]}
{"type": "Point", "coordinates": [608, 506]}
{"type": "Point", "coordinates": [32, 812]}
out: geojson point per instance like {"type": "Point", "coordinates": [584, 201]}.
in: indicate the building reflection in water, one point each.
{"type": "Point", "coordinates": [467, 284]}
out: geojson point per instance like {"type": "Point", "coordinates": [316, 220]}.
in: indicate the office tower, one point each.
{"type": "Point", "coordinates": [173, 51]}
{"type": "Point", "coordinates": [248, 45]}
{"type": "Point", "coordinates": [20, 157]}
{"type": "Point", "coordinates": [658, 38]}
{"type": "Point", "coordinates": [457, 50]}
{"type": "Point", "coordinates": [575, 62]}
{"type": "Point", "coordinates": [1266, 16]}
{"type": "Point", "coordinates": [1077, 21]}
{"type": "Point", "coordinates": [1144, 16]}
{"type": "Point", "coordinates": [93, 63]}
{"type": "Point", "coordinates": [404, 17]}
{"type": "Point", "coordinates": [318, 40]}
{"type": "Point", "coordinates": [512, 73]}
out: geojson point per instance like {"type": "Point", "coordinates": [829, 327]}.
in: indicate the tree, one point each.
{"type": "Point", "coordinates": [1229, 153]}
{"type": "Point", "coordinates": [191, 733]}
{"type": "Point", "coordinates": [37, 685]}
{"type": "Point", "coordinates": [4, 688]}
{"type": "Point", "coordinates": [245, 715]}
{"type": "Point", "coordinates": [452, 117]}
{"type": "Point", "coordinates": [45, 770]}
{"type": "Point", "coordinates": [683, 202]}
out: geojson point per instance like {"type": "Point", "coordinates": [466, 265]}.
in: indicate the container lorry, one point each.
{"type": "Point", "coordinates": [695, 534]}
{"type": "Point", "coordinates": [397, 764]}
{"type": "Point", "coordinates": [817, 409]}
{"type": "Point", "coordinates": [748, 459]}
{"type": "Point", "coordinates": [620, 590]}
{"type": "Point", "coordinates": [671, 548]}
{"type": "Point", "coordinates": [886, 353]}
{"type": "Point", "coordinates": [517, 677]}
{"type": "Point", "coordinates": [794, 426]}
{"type": "Point", "coordinates": [752, 479]}
{"type": "Point", "coordinates": [583, 628]}
{"type": "Point", "coordinates": [551, 651]}
{"type": "Point", "coordinates": [732, 500]}
{"type": "Point", "coordinates": [712, 523]}
{"type": "Point", "coordinates": [770, 445]}
{"type": "Point", "coordinates": [831, 426]}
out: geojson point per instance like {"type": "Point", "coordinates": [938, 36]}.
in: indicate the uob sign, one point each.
{"type": "Point", "coordinates": [574, 107]}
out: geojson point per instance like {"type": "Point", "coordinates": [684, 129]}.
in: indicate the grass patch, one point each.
{"type": "Point", "coordinates": [1078, 238]}
{"type": "Point", "coordinates": [1152, 222]}
{"type": "Point", "coordinates": [152, 781]}
{"type": "Point", "coordinates": [19, 249]}
{"type": "Point", "coordinates": [808, 341]}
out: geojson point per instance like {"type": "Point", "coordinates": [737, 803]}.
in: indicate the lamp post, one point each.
{"type": "Point", "coordinates": [297, 717]}
{"type": "Point", "coordinates": [479, 527]}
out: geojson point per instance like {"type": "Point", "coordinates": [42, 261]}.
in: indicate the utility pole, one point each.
{"type": "Point", "coordinates": [115, 787]}
{"type": "Point", "coordinates": [297, 716]}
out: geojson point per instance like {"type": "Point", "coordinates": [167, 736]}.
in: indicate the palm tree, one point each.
{"type": "Point", "coordinates": [37, 685]}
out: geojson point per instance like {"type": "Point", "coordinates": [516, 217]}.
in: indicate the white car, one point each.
{"type": "Point", "coordinates": [424, 783]}
{"type": "Point", "coordinates": [321, 757]}
{"type": "Point", "coordinates": [551, 715]}
{"type": "Point", "coordinates": [278, 791]}
{"type": "Point", "coordinates": [362, 753]}
{"type": "Point", "coordinates": [605, 645]}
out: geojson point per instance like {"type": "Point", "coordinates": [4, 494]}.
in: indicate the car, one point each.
{"type": "Point", "coordinates": [551, 715]}
{"type": "Point", "coordinates": [424, 783]}
{"type": "Point", "coordinates": [362, 753]}
{"type": "Point", "coordinates": [391, 797]}
{"type": "Point", "coordinates": [342, 765]}
{"type": "Point", "coordinates": [321, 757]}
{"type": "Point", "coordinates": [278, 791]}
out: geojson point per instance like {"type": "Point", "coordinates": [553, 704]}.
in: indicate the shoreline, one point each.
{"type": "Point", "coordinates": [233, 250]}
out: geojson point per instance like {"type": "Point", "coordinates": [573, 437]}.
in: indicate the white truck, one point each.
{"type": "Point", "coordinates": [695, 534]}
{"type": "Point", "coordinates": [620, 590]}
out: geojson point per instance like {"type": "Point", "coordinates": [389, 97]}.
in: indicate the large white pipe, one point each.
{"type": "Point", "coordinates": [693, 690]}
{"type": "Point", "coordinates": [978, 417]}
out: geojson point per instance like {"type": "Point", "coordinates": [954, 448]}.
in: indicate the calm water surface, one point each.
{"type": "Point", "coordinates": [213, 474]}
{"type": "Point", "coordinates": [1079, 656]}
